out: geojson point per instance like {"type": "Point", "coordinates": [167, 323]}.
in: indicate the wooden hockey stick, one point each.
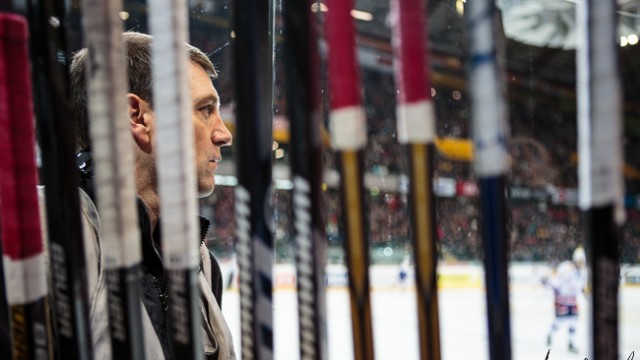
{"type": "Point", "coordinates": [416, 130]}
{"type": "Point", "coordinates": [349, 136]}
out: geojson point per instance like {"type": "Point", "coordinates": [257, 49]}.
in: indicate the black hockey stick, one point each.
{"type": "Point", "coordinates": [305, 119]}
{"type": "Point", "coordinates": [23, 256]}
{"type": "Point", "coordinates": [113, 151]}
{"type": "Point", "coordinates": [490, 135]}
{"type": "Point", "coordinates": [416, 130]}
{"type": "Point", "coordinates": [176, 176]}
{"type": "Point", "coordinates": [600, 166]}
{"type": "Point", "coordinates": [349, 136]}
{"type": "Point", "coordinates": [55, 137]}
{"type": "Point", "coordinates": [253, 74]}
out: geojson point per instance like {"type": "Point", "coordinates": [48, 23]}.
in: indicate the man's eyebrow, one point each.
{"type": "Point", "coordinates": [207, 99]}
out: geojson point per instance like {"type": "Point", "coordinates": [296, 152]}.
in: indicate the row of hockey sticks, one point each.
{"type": "Point", "coordinates": [493, 230]}
{"type": "Point", "coordinates": [600, 173]}
{"type": "Point", "coordinates": [113, 156]}
{"type": "Point", "coordinates": [115, 196]}
{"type": "Point", "coordinates": [416, 131]}
{"type": "Point", "coordinates": [47, 20]}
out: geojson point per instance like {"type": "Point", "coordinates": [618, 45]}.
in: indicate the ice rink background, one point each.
{"type": "Point", "coordinates": [462, 320]}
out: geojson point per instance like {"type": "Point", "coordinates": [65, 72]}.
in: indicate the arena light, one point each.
{"type": "Point", "coordinates": [356, 14]}
{"type": "Point", "coordinates": [226, 180]}
{"type": "Point", "coordinates": [623, 41]}
{"type": "Point", "coordinates": [361, 15]}
{"type": "Point", "coordinates": [460, 6]}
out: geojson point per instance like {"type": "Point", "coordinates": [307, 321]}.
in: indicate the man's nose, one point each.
{"type": "Point", "coordinates": [221, 136]}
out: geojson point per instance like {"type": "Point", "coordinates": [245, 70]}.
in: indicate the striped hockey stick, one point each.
{"type": "Point", "coordinates": [305, 118]}
{"type": "Point", "coordinates": [55, 137]}
{"type": "Point", "coordinates": [23, 256]}
{"type": "Point", "coordinates": [601, 184]}
{"type": "Point", "coordinates": [349, 137]}
{"type": "Point", "coordinates": [115, 188]}
{"type": "Point", "coordinates": [176, 178]}
{"type": "Point", "coordinates": [253, 74]}
{"type": "Point", "coordinates": [489, 118]}
{"type": "Point", "coordinates": [416, 130]}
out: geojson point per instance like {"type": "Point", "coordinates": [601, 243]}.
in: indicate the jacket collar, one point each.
{"type": "Point", "coordinates": [151, 240]}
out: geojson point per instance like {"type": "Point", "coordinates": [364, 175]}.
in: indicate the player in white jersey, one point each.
{"type": "Point", "coordinates": [567, 283]}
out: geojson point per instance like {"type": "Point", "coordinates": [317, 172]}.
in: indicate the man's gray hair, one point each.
{"type": "Point", "coordinates": [139, 72]}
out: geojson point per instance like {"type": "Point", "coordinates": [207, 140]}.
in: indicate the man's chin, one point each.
{"type": "Point", "coordinates": [204, 191]}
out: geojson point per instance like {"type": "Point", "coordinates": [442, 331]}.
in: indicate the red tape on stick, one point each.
{"type": "Point", "coordinates": [20, 216]}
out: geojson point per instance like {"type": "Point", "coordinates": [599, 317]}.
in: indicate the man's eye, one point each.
{"type": "Point", "coordinates": [207, 110]}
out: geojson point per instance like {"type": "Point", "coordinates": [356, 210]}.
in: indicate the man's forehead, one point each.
{"type": "Point", "coordinates": [202, 87]}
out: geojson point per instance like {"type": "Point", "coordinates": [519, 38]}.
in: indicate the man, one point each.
{"type": "Point", "coordinates": [210, 134]}
{"type": "Point", "coordinates": [567, 283]}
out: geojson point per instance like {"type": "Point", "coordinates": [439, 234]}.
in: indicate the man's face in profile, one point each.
{"type": "Point", "coordinates": [209, 131]}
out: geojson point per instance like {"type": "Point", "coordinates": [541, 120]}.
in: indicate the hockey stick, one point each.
{"type": "Point", "coordinates": [305, 119]}
{"type": "Point", "coordinates": [253, 74]}
{"type": "Point", "coordinates": [176, 177]}
{"type": "Point", "coordinates": [349, 137]}
{"type": "Point", "coordinates": [55, 137]}
{"type": "Point", "coordinates": [5, 330]}
{"type": "Point", "coordinates": [23, 256]}
{"type": "Point", "coordinates": [115, 189]}
{"type": "Point", "coordinates": [416, 130]}
{"type": "Point", "coordinates": [601, 184]}
{"type": "Point", "coordinates": [489, 118]}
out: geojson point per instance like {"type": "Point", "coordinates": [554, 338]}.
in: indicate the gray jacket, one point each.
{"type": "Point", "coordinates": [217, 341]}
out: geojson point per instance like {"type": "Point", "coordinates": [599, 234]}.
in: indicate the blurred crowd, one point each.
{"type": "Point", "coordinates": [543, 148]}
{"type": "Point", "coordinates": [539, 231]}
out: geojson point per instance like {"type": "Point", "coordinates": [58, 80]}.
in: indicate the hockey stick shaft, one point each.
{"type": "Point", "coordinates": [349, 136]}
{"type": "Point", "coordinates": [416, 130]}
{"type": "Point", "coordinates": [5, 332]}
{"type": "Point", "coordinates": [253, 74]}
{"type": "Point", "coordinates": [23, 256]}
{"type": "Point", "coordinates": [305, 119]}
{"type": "Point", "coordinates": [55, 137]}
{"type": "Point", "coordinates": [601, 184]}
{"type": "Point", "coordinates": [176, 177]}
{"type": "Point", "coordinates": [489, 120]}
{"type": "Point", "coordinates": [113, 156]}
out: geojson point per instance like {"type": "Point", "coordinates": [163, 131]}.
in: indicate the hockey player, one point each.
{"type": "Point", "coordinates": [567, 283]}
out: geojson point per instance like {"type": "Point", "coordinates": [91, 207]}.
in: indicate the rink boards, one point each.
{"type": "Point", "coordinates": [450, 275]}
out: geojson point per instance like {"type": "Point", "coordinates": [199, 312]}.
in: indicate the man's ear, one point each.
{"type": "Point", "coordinates": [140, 120]}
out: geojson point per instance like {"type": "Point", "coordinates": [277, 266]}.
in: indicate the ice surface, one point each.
{"type": "Point", "coordinates": [462, 323]}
